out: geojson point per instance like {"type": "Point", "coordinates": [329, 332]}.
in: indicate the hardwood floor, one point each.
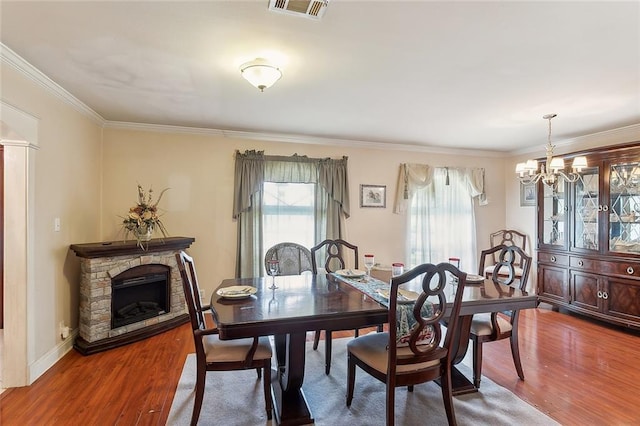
{"type": "Point", "coordinates": [577, 371]}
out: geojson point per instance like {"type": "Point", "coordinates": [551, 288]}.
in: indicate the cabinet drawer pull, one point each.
{"type": "Point", "coordinates": [630, 270]}
{"type": "Point", "coordinates": [599, 294]}
{"type": "Point", "coordinates": [605, 295]}
{"type": "Point", "coordinates": [605, 208]}
{"type": "Point", "coordinates": [553, 259]}
{"type": "Point", "coordinates": [580, 263]}
{"type": "Point", "coordinates": [600, 208]}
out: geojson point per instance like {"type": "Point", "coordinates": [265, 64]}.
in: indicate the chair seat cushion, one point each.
{"type": "Point", "coordinates": [481, 325]}
{"type": "Point", "coordinates": [218, 350]}
{"type": "Point", "coordinates": [372, 349]}
{"type": "Point", "coordinates": [503, 271]}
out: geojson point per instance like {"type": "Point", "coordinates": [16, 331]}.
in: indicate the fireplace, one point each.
{"type": "Point", "coordinates": [127, 293]}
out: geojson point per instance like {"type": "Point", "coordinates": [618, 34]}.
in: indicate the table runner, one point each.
{"type": "Point", "coordinates": [404, 316]}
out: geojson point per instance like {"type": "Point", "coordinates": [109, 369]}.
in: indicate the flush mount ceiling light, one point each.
{"type": "Point", "coordinates": [528, 172]}
{"type": "Point", "coordinates": [260, 73]}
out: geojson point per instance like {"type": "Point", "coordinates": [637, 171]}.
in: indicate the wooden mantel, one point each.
{"type": "Point", "coordinates": [120, 248]}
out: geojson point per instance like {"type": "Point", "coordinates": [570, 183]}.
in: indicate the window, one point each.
{"type": "Point", "coordinates": [300, 199]}
{"type": "Point", "coordinates": [442, 221]}
{"type": "Point", "coordinates": [288, 213]}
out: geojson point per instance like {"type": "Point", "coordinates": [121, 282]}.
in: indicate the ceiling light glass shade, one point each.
{"type": "Point", "coordinates": [528, 172]}
{"type": "Point", "coordinates": [260, 73]}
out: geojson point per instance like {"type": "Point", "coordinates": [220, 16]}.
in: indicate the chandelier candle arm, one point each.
{"type": "Point", "coordinates": [553, 169]}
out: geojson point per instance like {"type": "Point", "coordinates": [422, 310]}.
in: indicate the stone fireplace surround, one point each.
{"type": "Point", "coordinates": [99, 263]}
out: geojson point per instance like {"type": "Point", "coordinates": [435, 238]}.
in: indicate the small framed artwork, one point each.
{"type": "Point", "coordinates": [373, 196]}
{"type": "Point", "coordinates": [528, 194]}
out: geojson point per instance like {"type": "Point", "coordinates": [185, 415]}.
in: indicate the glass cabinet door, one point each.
{"type": "Point", "coordinates": [624, 208]}
{"type": "Point", "coordinates": [586, 207]}
{"type": "Point", "coordinates": [554, 221]}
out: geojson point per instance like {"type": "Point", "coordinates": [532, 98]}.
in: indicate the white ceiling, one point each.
{"type": "Point", "coordinates": [473, 75]}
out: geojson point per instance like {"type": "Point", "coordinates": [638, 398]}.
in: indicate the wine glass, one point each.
{"type": "Point", "coordinates": [369, 261]}
{"type": "Point", "coordinates": [274, 269]}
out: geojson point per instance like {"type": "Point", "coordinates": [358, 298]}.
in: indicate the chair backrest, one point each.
{"type": "Point", "coordinates": [191, 291]}
{"type": "Point", "coordinates": [335, 256]}
{"type": "Point", "coordinates": [293, 258]}
{"type": "Point", "coordinates": [423, 317]}
{"type": "Point", "coordinates": [508, 237]}
{"type": "Point", "coordinates": [507, 258]}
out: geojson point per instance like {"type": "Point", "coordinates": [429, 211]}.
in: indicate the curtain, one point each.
{"type": "Point", "coordinates": [413, 177]}
{"type": "Point", "coordinates": [333, 204]}
{"type": "Point", "coordinates": [253, 168]}
{"type": "Point", "coordinates": [247, 202]}
{"type": "Point", "coordinates": [442, 220]}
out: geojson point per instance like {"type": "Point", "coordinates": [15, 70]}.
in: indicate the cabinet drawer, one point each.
{"type": "Point", "coordinates": [553, 259]}
{"type": "Point", "coordinates": [622, 269]}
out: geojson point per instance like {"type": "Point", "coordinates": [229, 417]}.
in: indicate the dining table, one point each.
{"type": "Point", "coordinates": [287, 307]}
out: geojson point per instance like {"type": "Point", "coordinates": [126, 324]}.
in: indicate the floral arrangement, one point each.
{"type": "Point", "coordinates": [143, 218]}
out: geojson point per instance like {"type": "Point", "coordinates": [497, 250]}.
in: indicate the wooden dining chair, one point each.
{"type": "Point", "coordinates": [413, 351]}
{"type": "Point", "coordinates": [494, 326]}
{"type": "Point", "coordinates": [293, 258]}
{"type": "Point", "coordinates": [335, 258]}
{"type": "Point", "coordinates": [213, 354]}
{"type": "Point", "coordinates": [507, 237]}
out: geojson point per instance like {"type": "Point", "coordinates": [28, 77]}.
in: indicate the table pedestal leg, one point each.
{"type": "Point", "coordinates": [460, 385]}
{"type": "Point", "coordinates": [289, 403]}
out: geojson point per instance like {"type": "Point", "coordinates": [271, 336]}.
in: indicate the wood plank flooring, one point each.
{"type": "Point", "coordinates": [577, 371]}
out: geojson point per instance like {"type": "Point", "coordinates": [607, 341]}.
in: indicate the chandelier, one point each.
{"type": "Point", "coordinates": [552, 169]}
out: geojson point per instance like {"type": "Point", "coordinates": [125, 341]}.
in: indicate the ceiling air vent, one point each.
{"type": "Point", "coordinates": [312, 9]}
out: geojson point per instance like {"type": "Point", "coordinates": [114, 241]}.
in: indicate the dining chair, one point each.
{"type": "Point", "coordinates": [213, 354]}
{"type": "Point", "coordinates": [508, 237]}
{"type": "Point", "coordinates": [413, 351]}
{"type": "Point", "coordinates": [336, 253]}
{"type": "Point", "coordinates": [494, 326]}
{"type": "Point", "coordinates": [293, 258]}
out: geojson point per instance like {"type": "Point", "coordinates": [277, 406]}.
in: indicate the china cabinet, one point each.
{"type": "Point", "coordinates": [588, 238]}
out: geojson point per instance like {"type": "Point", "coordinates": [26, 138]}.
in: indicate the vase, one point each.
{"type": "Point", "coordinates": [143, 233]}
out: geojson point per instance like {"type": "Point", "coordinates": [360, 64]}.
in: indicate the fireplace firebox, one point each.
{"type": "Point", "coordinates": [140, 293]}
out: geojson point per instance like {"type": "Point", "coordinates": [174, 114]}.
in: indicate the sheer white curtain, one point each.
{"type": "Point", "coordinates": [442, 220]}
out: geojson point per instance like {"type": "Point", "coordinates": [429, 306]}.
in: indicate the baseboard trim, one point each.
{"type": "Point", "coordinates": [40, 366]}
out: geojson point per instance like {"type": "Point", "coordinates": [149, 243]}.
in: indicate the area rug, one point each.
{"type": "Point", "coordinates": [236, 399]}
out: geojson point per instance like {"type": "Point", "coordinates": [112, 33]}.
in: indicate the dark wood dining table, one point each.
{"type": "Point", "coordinates": [303, 303]}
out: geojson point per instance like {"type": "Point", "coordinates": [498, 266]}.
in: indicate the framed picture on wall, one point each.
{"type": "Point", "coordinates": [528, 194]}
{"type": "Point", "coordinates": [373, 196]}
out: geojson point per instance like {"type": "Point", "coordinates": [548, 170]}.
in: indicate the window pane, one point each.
{"type": "Point", "coordinates": [288, 213]}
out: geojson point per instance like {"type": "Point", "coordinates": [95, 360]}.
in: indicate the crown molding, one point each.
{"type": "Point", "coordinates": [16, 62]}
{"type": "Point", "coordinates": [299, 139]}
{"type": "Point", "coordinates": [605, 138]}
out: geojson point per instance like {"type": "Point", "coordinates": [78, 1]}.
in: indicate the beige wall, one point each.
{"type": "Point", "coordinates": [199, 171]}
{"type": "Point", "coordinates": [65, 182]}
